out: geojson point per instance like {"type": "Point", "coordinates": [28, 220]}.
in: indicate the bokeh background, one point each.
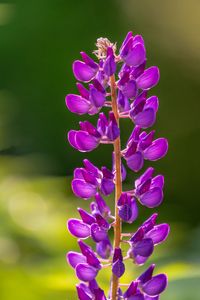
{"type": "Point", "coordinates": [39, 39]}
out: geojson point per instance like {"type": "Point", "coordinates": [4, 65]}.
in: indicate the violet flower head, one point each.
{"type": "Point", "coordinates": [149, 189]}
{"type": "Point", "coordinates": [115, 85]}
{"type": "Point", "coordinates": [145, 238]}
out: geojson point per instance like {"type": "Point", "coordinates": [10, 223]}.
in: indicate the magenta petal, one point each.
{"type": "Point", "coordinates": [134, 210]}
{"type": "Point", "coordinates": [85, 272]}
{"type": "Point", "coordinates": [77, 104]}
{"type": "Point", "coordinates": [86, 217]}
{"type": "Point", "coordinates": [78, 228]}
{"type": "Point", "coordinates": [110, 65]}
{"type": "Point", "coordinates": [75, 258]}
{"type": "Point", "coordinates": [129, 90]}
{"type": "Point", "coordinates": [144, 177]}
{"type": "Point", "coordinates": [83, 292]}
{"type": "Point", "coordinates": [145, 119]}
{"type": "Point", "coordinates": [156, 150]}
{"type": "Point", "coordinates": [107, 186]}
{"type": "Point", "coordinates": [158, 181]}
{"type": "Point", "coordinates": [152, 198]}
{"type": "Point", "coordinates": [156, 285]}
{"type": "Point", "coordinates": [143, 247]}
{"type": "Point", "coordinates": [83, 189]}
{"type": "Point", "coordinates": [140, 260]}
{"type": "Point", "coordinates": [136, 56]}
{"type": "Point", "coordinates": [147, 274]}
{"type": "Point", "coordinates": [118, 268]}
{"type": "Point", "coordinates": [97, 97]}
{"type": "Point", "coordinates": [135, 161]}
{"type": "Point", "coordinates": [86, 142]}
{"type": "Point", "coordinates": [104, 249]}
{"type": "Point", "coordinates": [152, 102]}
{"type": "Point", "coordinates": [72, 138]}
{"type": "Point", "coordinates": [125, 212]}
{"type": "Point", "coordinates": [97, 233]}
{"type": "Point", "coordinates": [82, 71]}
{"type": "Point", "coordinates": [149, 78]}
{"type": "Point", "coordinates": [159, 233]}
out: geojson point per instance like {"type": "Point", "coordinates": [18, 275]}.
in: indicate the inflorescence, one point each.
{"type": "Point", "coordinates": [120, 82]}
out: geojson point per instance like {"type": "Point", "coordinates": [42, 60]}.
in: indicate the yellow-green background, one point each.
{"type": "Point", "coordinates": [39, 39]}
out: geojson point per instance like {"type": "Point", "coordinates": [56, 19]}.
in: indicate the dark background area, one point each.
{"type": "Point", "coordinates": [38, 42]}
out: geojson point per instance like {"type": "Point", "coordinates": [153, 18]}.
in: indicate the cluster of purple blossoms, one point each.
{"type": "Point", "coordinates": [118, 83]}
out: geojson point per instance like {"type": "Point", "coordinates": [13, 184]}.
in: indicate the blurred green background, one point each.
{"type": "Point", "coordinates": [39, 39]}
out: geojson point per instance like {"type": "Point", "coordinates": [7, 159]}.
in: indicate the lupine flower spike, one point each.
{"type": "Point", "coordinates": [118, 83]}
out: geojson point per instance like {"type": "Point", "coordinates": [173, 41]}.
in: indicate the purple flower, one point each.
{"type": "Point", "coordinates": [126, 97]}
{"type": "Point", "coordinates": [85, 70]}
{"type": "Point", "coordinates": [89, 102]}
{"type": "Point", "coordinates": [104, 248]}
{"type": "Point", "coordinates": [92, 225]}
{"type": "Point", "coordinates": [86, 264]}
{"type": "Point", "coordinates": [146, 287]}
{"type": "Point", "coordinates": [109, 66]}
{"type": "Point", "coordinates": [132, 50]}
{"type": "Point", "coordinates": [143, 110]}
{"type": "Point", "coordinates": [90, 291]}
{"type": "Point", "coordinates": [148, 189]}
{"type": "Point", "coordinates": [128, 210]}
{"type": "Point", "coordinates": [118, 267]}
{"type": "Point", "coordinates": [89, 179]}
{"type": "Point", "coordinates": [141, 146]}
{"type": "Point", "coordinates": [145, 238]}
{"type": "Point", "coordinates": [88, 137]}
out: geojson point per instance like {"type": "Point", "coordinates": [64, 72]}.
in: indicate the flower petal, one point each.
{"type": "Point", "coordinates": [107, 186]}
{"type": "Point", "coordinates": [144, 247]}
{"type": "Point", "coordinates": [102, 206]}
{"type": "Point", "coordinates": [140, 260]}
{"type": "Point", "coordinates": [146, 275]}
{"type": "Point", "coordinates": [144, 119]}
{"type": "Point", "coordinates": [132, 289]}
{"type": "Point", "coordinates": [83, 189]}
{"type": "Point", "coordinates": [86, 142]}
{"type": "Point", "coordinates": [125, 212]}
{"type": "Point", "coordinates": [86, 217]}
{"type": "Point", "coordinates": [72, 138]}
{"type": "Point", "coordinates": [149, 78]}
{"type": "Point", "coordinates": [77, 104]}
{"type": "Point", "coordinates": [152, 102]}
{"type": "Point", "coordinates": [156, 150]}
{"type": "Point", "coordinates": [109, 64]}
{"type": "Point", "coordinates": [97, 233]}
{"type": "Point", "coordinates": [159, 233]}
{"type": "Point", "coordinates": [135, 161]}
{"type": "Point", "coordinates": [83, 292]}
{"type": "Point", "coordinates": [118, 268]}
{"type": "Point", "coordinates": [104, 249]}
{"type": "Point", "coordinates": [136, 55]}
{"type": "Point", "coordinates": [158, 181]}
{"type": "Point", "coordinates": [85, 272]}
{"type": "Point", "coordinates": [75, 258]}
{"type": "Point", "coordinates": [152, 198]}
{"type": "Point", "coordinates": [144, 177]}
{"type": "Point", "coordinates": [96, 97]}
{"type": "Point", "coordinates": [82, 71]}
{"type": "Point", "coordinates": [129, 89]}
{"type": "Point", "coordinates": [78, 228]}
{"type": "Point", "coordinates": [156, 285]}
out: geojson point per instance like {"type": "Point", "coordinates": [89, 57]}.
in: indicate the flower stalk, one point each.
{"type": "Point", "coordinates": [118, 184]}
